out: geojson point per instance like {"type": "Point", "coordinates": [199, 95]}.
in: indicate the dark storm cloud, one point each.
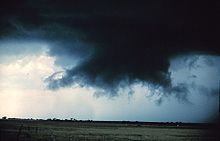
{"type": "Point", "coordinates": [180, 91]}
{"type": "Point", "coordinates": [114, 41]}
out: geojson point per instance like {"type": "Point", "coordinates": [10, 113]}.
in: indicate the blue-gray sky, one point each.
{"type": "Point", "coordinates": [149, 61]}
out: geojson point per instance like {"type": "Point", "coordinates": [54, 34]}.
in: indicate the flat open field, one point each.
{"type": "Point", "coordinates": [42, 130]}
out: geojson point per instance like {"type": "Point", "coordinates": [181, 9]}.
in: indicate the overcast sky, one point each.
{"type": "Point", "coordinates": [147, 61]}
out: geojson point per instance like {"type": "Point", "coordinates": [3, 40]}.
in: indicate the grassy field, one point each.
{"type": "Point", "coordinates": [35, 130]}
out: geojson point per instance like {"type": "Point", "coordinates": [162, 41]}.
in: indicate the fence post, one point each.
{"type": "Point", "coordinates": [19, 132]}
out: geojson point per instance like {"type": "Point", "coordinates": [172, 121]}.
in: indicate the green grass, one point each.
{"type": "Point", "coordinates": [92, 131]}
